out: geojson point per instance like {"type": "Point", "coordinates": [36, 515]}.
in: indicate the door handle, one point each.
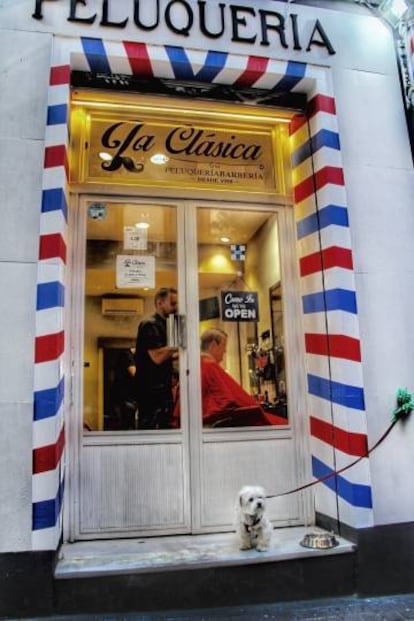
{"type": "Point", "coordinates": [182, 331]}
{"type": "Point", "coordinates": [176, 331]}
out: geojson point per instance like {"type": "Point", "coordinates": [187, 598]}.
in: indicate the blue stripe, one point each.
{"type": "Point", "coordinates": [294, 73]}
{"type": "Point", "coordinates": [180, 63]}
{"type": "Point", "coordinates": [54, 200]}
{"type": "Point", "coordinates": [324, 138]}
{"type": "Point", "coordinates": [215, 62]}
{"type": "Point", "coordinates": [50, 295]}
{"type": "Point", "coordinates": [331, 214]}
{"type": "Point", "coordinates": [356, 494]}
{"type": "Point", "coordinates": [46, 513]}
{"type": "Point", "coordinates": [301, 154]}
{"type": "Point", "coordinates": [330, 300]}
{"type": "Point", "coordinates": [95, 55]}
{"type": "Point", "coordinates": [183, 70]}
{"type": "Point", "coordinates": [47, 402]}
{"type": "Point", "coordinates": [343, 394]}
{"type": "Point", "coordinates": [57, 115]}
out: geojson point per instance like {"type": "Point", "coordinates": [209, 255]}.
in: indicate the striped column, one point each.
{"type": "Point", "coordinates": [333, 355]}
{"type": "Point", "coordinates": [335, 390]}
{"type": "Point", "coordinates": [49, 381]}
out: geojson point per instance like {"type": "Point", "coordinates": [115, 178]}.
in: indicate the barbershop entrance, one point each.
{"type": "Point", "coordinates": [199, 204]}
{"type": "Point", "coordinates": [233, 267]}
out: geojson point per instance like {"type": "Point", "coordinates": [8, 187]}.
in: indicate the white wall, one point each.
{"type": "Point", "coordinates": [24, 59]}
{"type": "Point", "coordinates": [380, 185]}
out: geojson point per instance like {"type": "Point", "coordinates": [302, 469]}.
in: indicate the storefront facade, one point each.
{"type": "Point", "coordinates": [283, 129]}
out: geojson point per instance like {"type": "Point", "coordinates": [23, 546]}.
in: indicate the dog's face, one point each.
{"type": "Point", "coordinates": [252, 500]}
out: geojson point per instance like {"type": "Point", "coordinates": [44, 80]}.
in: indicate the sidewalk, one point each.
{"type": "Point", "coordinates": [389, 608]}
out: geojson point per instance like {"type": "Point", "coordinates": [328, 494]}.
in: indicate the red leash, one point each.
{"type": "Point", "coordinates": [334, 474]}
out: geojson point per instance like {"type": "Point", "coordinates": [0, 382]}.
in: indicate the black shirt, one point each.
{"type": "Point", "coordinates": [124, 384]}
{"type": "Point", "coordinates": [152, 380]}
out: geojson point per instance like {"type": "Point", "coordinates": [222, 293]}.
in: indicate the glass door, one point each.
{"type": "Point", "coordinates": [133, 473]}
{"type": "Point", "coordinates": [244, 432]}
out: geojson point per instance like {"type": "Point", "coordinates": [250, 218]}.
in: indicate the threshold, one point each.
{"type": "Point", "coordinates": [84, 559]}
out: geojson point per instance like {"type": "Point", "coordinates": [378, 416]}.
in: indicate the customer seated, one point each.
{"type": "Point", "coordinates": [225, 403]}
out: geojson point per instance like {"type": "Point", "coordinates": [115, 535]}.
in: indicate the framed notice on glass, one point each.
{"type": "Point", "coordinates": [135, 271]}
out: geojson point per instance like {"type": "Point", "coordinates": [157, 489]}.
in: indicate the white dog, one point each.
{"type": "Point", "coordinates": [252, 526]}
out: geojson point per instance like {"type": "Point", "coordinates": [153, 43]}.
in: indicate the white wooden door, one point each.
{"type": "Point", "coordinates": [126, 481]}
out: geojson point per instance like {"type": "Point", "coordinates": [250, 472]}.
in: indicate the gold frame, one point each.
{"type": "Point", "coordinates": [269, 125]}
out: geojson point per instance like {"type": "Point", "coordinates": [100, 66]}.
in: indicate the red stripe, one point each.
{"type": "Point", "coordinates": [296, 123]}
{"type": "Point", "coordinates": [329, 174]}
{"type": "Point", "coordinates": [345, 441]}
{"type": "Point", "coordinates": [330, 257]}
{"type": "Point", "coordinates": [49, 347]}
{"type": "Point", "coordinates": [256, 67]}
{"type": "Point", "coordinates": [311, 264]}
{"type": "Point", "coordinates": [59, 75]}
{"type": "Point", "coordinates": [335, 256]}
{"type": "Point", "coordinates": [138, 59]}
{"type": "Point", "coordinates": [304, 189]}
{"type": "Point", "coordinates": [52, 246]}
{"type": "Point", "coordinates": [55, 156]}
{"type": "Point", "coordinates": [321, 103]}
{"type": "Point", "coordinates": [48, 457]}
{"type": "Point", "coordinates": [334, 345]}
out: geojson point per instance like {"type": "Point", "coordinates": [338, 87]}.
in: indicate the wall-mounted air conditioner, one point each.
{"type": "Point", "coordinates": [131, 307]}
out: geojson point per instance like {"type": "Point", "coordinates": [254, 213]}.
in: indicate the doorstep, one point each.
{"type": "Point", "coordinates": [84, 559]}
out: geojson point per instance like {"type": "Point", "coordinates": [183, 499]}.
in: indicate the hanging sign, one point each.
{"type": "Point", "coordinates": [135, 271]}
{"type": "Point", "coordinates": [239, 306]}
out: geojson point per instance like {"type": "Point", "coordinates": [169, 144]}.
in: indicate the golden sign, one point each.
{"type": "Point", "coordinates": [143, 151]}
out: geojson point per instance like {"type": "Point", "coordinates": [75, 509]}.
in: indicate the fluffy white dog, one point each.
{"type": "Point", "coordinates": [252, 526]}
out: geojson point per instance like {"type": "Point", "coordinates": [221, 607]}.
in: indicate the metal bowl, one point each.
{"type": "Point", "coordinates": [320, 541]}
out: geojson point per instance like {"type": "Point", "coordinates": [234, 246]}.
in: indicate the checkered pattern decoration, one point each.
{"type": "Point", "coordinates": [335, 399]}
{"type": "Point", "coordinates": [238, 252]}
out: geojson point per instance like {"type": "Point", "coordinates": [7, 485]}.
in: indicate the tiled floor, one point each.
{"type": "Point", "coordinates": [94, 558]}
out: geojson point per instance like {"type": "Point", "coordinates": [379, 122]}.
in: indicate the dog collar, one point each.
{"type": "Point", "coordinates": [249, 527]}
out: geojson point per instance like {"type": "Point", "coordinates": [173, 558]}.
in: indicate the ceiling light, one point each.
{"type": "Point", "coordinates": [225, 240]}
{"type": "Point", "coordinates": [159, 158]}
{"type": "Point", "coordinates": [142, 225]}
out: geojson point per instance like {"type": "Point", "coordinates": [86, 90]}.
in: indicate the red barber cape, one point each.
{"type": "Point", "coordinates": [225, 402]}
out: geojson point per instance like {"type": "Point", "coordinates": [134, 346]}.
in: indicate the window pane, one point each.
{"type": "Point", "coordinates": [241, 319]}
{"type": "Point", "coordinates": [130, 255]}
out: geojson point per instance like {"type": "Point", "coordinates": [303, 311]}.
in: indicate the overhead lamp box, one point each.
{"type": "Point", "coordinates": [131, 307]}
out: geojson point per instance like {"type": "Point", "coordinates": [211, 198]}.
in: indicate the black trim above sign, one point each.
{"type": "Point", "coordinates": [184, 89]}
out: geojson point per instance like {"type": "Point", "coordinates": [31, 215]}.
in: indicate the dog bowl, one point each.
{"type": "Point", "coordinates": [320, 541]}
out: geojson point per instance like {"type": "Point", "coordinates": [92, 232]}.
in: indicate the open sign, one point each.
{"type": "Point", "coordinates": [239, 306]}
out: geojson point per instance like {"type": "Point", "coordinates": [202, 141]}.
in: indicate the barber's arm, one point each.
{"type": "Point", "coordinates": [161, 354]}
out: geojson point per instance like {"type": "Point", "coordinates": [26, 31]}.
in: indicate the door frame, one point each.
{"type": "Point", "coordinates": [191, 429]}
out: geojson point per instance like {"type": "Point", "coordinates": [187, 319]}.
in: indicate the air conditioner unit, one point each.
{"type": "Point", "coordinates": [131, 307]}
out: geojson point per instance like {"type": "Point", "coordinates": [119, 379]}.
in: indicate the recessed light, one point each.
{"type": "Point", "coordinates": [159, 158]}
{"type": "Point", "coordinates": [142, 225]}
{"type": "Point", "coordinates": [107, 157]}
